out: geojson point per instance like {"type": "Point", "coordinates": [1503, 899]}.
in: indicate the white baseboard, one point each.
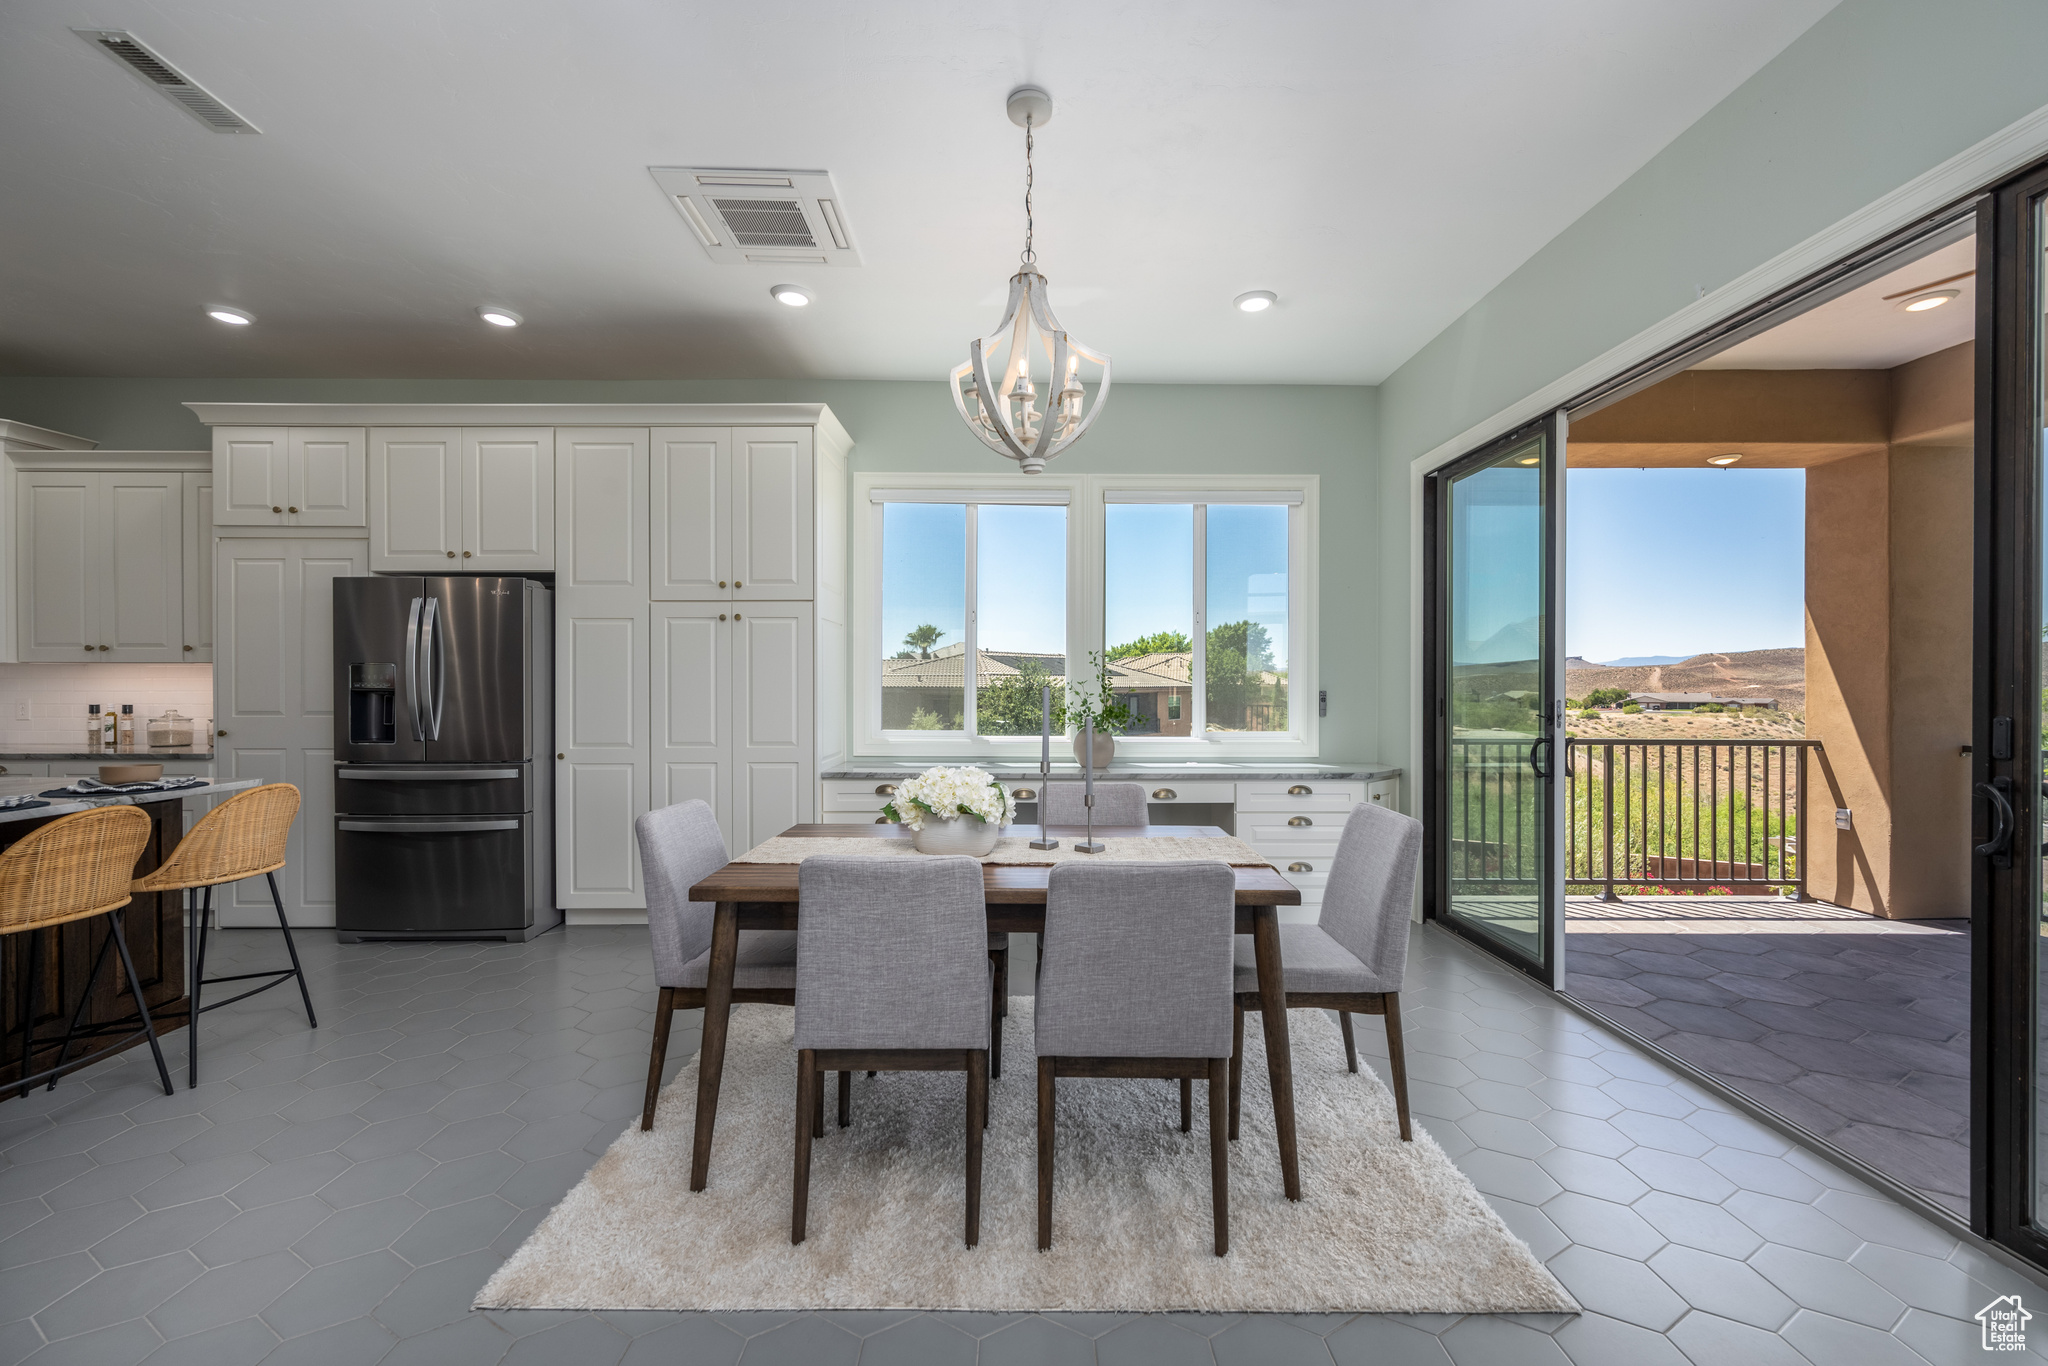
{"type": "Point", "coordinates": [627, 915]}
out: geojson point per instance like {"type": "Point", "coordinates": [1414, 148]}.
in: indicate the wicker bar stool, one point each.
{"type": "Point", "coordinates": [75, 867]}
{"type": "Point", "coordinates": [243, 836]}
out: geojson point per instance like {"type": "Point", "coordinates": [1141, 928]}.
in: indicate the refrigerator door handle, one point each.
{"type": "Point", "coordinates": [412, 669]}
{"type": "Point", "coordinates": [437, 776]}
{"type": "Point", "coordinates": [437, 664]}
{"type": "Point", "coordinates": [412, 827]}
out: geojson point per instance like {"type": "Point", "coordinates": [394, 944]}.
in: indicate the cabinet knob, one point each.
{"type": "Point", "coordinates": [886, 790]}
{"type": "Point", "coordinates": [737, 584]}
{"type": "Point", "coordinates": [188, 649]}
{"type": "Point", "coordinates": [275, 508]}
{"type": "Point", "coordinates": [721, 583]}
{"type": "Point", "coordinates": [1301, 867]}
{"type": "Point", "coordinates": [3, 768]}
{"type": "Point", "coordinates": [220, 732]}
{"type": "Point", "coordinates": [1299, 820]}
{"type": "Point", "coordinates": [104, 647]}
{"type": "Point", "coordinates": [1026, 794]}
{"type": "Point", "coordinates": [1301, 790]}
{"type": "Point", "coordinates": [451, 554]}
{"type": "Point", "coordinates": [88, 649]}
{"type": "Point", "coordinates": [561, 756]}
{"type": "Point", "coordinates": [721, 616]}
{"type": "Point", "coordinates": [291, 509]}
{"type": "Point", "coordinates": [1164, 794]}
{"type": "Point", "coordinates": [465, 554]}
{"type": "Point", "coordinates": [735, 616]}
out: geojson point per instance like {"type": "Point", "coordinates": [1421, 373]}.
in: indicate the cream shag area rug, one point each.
{"type": "Point", "coordinates": [1383, 1225]}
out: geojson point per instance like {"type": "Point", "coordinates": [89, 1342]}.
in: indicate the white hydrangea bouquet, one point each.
{"type": "Point", "coordinates": [952, 809]}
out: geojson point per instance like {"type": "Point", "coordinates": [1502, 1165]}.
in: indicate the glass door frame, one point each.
{"type": "Point", "coordinates": [1437, 675]}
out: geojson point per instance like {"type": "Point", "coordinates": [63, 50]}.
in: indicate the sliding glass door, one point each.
{"type": "Point", "coordinates": [1494, 522]}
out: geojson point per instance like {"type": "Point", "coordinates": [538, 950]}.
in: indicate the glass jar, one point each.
{"type": "Point", "coordinates": [170, 731]}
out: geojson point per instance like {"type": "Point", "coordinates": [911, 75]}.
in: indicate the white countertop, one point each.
{"type": "Point", "coordinates": [64, 806]}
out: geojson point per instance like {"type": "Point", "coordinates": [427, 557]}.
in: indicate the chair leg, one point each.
{"type": "Point", "coordinates": [1187, 1104]}
{"type": "Point", "coordinates": [1236, 1065]}
{"type": "Point", "coordinates": [845, 1099]}
{"type": "Point", "coordinates": [1219, 1153]}
{"type": "Point", "coordinates": [1001, 958]}
{"type": "Point", "coordinates": [657, 1056]}
{"type": "Point", "coordinates": [1398, 1062]}
{"type": "Point", "coordinates": [202, 915]}
{"type": "Point", "coordinates": [32, 972]}
{"type": "Point", "coordinates": [995, 1033]}
{"type": "Point", "coordinates": [1045, 1117]}
{"type": "Point", "coordinates": [818, 1107]}
{"type": "Point", "coordinates": [141, 1006]}
{"type": "Point", "coordinates": [800, 1199]}
{"type": "Point", "coordinates": [1350, 1044]}
{"type": "Point", "coordinates": [85, 999]}
{"type": "Point", "coordinates": [292, 949]}
{"type": "Point", "coordinates": [977, 1116]}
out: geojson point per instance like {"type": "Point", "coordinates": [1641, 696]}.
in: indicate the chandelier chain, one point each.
{"type": "Point", "coordinates": [1029, 256]}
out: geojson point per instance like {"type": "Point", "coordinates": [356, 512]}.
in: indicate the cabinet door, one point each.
{"type": "Point", "coordinates": [691, 705]}
{"type": "Point", "coordinates": [251, 485]}
{"type": "Point", "coordinates": [325, 484]}
{"type": "Point", "coordinates": [772, 753]}
{"type": "Point", "coordinates": [57, 566]}
{"type": "Point", "coordinates": [198, 567]}
{"type": "Point", "coordinates": [415, 499]}
{"type": "Point", "coordinates": [601, 738]}
{"type": "Point", "coordinates": [690, 508]}
{"type": "Point", "coordinates": [508, 499]}
{"type": "Point", "coordinates": [773, 546]}
{"type": "Point", "coordinates": [601, 508]}
{"type": "Point", "coordinates": [141, 537]}
{"type": "Point", "coordinates": [273, 698]}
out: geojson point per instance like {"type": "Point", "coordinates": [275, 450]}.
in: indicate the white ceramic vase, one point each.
{"type": "Point", "coordinates": [969, 835]}
{"type": "Point", "coordinates": [1105, 749]}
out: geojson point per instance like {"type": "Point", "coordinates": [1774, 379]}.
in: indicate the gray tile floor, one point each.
{"type": "Point", "coordinates": [338, 1196]}
{"type": "Point", "coordinates": [1856, 1029]}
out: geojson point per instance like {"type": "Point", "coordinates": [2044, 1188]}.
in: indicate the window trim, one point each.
{"type": "Point", "coordinates": [1085, 497]}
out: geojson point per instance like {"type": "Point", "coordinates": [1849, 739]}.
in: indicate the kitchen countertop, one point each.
{"type": "Point", "coordinates": [1251, 772]}
{"type": "Point", "coordinates": [29, 787]}
{"type": "Point", "coordinates": [26, 753]}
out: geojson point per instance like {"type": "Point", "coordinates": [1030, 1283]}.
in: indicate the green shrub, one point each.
{"type": "Point", "coordinates": [1590, 714]}
{"type": "Point", "coordinates": [1631, 710]}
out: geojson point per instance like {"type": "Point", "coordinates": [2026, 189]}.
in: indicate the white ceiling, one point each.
{"type": "Point", "coordinates": [1381, 165]}
{"type": "Point", "coordinates": [1865, 329]}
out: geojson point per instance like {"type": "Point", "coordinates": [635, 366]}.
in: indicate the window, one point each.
{"type": "Point", "coordinates": [974, 593]}
{"type": "Point", "coordinates": [965, 580]}
{"type": "Point", "coordinates": [1197, 612]}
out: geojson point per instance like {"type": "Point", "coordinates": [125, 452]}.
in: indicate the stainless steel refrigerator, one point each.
{"type": "Point", "coordinates": [443, 775]}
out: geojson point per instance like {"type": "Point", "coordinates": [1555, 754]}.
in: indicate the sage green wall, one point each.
{"type": "Point", "coordinates": [1875, 94]}
{"type": "Point", "coordinates": [1145, 429]}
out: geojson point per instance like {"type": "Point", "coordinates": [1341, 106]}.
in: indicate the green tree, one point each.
{"type": "Point", "coordinates": [926, 719]}
{"type": "Point", "coordinates": [922, 639]}
{"type": "Point", "coordinates": [1158, 643]}
{"type": "Point", "coordinates": [1013, 705]}
{"type": "Point", "coordinates": [1238, 653]}
{"type": "Point", "coordinates": [1606, 697]}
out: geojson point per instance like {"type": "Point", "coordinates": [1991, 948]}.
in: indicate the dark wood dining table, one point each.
{"type": "Point", "coordinates": [763, 896]}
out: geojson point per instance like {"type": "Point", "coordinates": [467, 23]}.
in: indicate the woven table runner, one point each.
{"type": "Point", "coordinates": [1016, 850]}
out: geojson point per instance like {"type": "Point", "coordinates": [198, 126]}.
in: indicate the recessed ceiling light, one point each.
{"type": "Point", "coordinates": [234, 317]}
{"type": "Point", "coordinates": [499, 317]}
{"type": "Point", "coordinates": [1933, 298]}
{"type": "Point", "coordinates": [1530, 460]}
{"type": "Point", "coordinates": [796, 296]}
{"type": "Point", "coordinates": [1724, 459]}
{"type": "Point", "coordinates": [1258, 301]}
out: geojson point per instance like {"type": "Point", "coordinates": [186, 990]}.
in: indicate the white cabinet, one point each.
{"type": "Point", "coordinates": [198, 568]}
{"type": "Point", "coordinates": [603, 755]}
{"type": "Point", "coordinates": [472, 501]}
{"type": "Point", "coordinates": [289, 476]}
{"type": "Point", "coordinates": [600, 509]}
{"type": "Point", "coordinates": [273, 702]}
{"type": "Point", "coordinates": [732, 514]}
{"type": "Point", "coordinates": [692, 697]}
{"type": "Point", "coordinates": [100, 568]}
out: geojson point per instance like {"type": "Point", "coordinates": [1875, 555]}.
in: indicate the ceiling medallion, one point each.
{"type": "Point", "coordinates": [1000, 406]}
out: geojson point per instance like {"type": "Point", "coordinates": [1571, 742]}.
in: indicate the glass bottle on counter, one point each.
{"type": "Point", "coordinates": [127, 728]}
{"type": "Point", "coordinates": [92, 727]}
{"type": "Point", "coordinates": [109, 727]}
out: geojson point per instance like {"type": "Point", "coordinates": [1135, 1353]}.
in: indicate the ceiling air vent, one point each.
{"type": "Point", "coordinates": [743, 217]}
{"type": "Point", "coordinates": [161, 76]}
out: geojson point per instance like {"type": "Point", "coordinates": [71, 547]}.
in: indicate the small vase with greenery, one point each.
{"type": "Point", "coordinates": [1100, 703]}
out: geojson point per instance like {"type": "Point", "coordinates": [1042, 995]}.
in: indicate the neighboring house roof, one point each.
{"type": "Point", "coordinates": [947, 668]}
{"type": "Point", "coordinates": [1154, 670]}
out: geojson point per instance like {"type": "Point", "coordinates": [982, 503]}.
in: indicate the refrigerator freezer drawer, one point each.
{"type": "Point", "coordinates": [433, 789]}
{"type": "Point", "coordinates": [434, 876]}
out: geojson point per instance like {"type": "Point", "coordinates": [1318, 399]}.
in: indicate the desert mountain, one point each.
{"type": "Point", "coordinates": [1779, 674]}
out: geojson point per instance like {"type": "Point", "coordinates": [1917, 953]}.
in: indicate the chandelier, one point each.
{"type": "Point", "coordinates": [994, 389]}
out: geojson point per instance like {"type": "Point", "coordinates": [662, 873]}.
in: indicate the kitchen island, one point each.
{"type": "Point", "coordinates": [154, 925]}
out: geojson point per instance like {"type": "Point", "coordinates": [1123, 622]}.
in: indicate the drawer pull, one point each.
{"type": "Point", "coordinates": [1301, 790]}
{"type": "Point", "coordinates": [1299, 820]}
{"type": "Point", "coordinates": [881, 820]}
{"type": "Point", "coordinates": [886, 790]}
{"type": "Point", "coordinates": [1026, 794]}
{"type": "Point", "coordinates": [1301, 867]}
{"type": "Point", "coordinates": [1164, 794]}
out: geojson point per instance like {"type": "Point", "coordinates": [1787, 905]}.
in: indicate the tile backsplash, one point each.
{"type": "Point", "coordinates": [55, 696]}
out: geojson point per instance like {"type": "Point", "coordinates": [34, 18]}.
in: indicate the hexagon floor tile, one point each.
{"type": "Point", "coordinates": [339, 1194]}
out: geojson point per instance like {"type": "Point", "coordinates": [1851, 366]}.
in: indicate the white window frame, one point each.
{"type": "Point", "coordinates": [1086, 496]}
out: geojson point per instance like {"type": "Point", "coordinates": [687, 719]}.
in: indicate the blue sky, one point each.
{"type": "Point", "coordinates": [1677, 562]}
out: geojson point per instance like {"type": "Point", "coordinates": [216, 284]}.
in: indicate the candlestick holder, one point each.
{"type": "Point", "coordinates": [1044, 841]}
{"type": "Point", "coordinates": [1089, 844]}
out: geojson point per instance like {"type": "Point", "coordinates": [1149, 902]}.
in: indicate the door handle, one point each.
{"type": "Point", "coordinates": [438, 776]}
{"type": "Point", "coordinates": [412, 669]}
{"type": "Point", "coordinates": [423, 827]}
{"type": "Point", "coordinates": [1999, 846]}
{"type": "Point", "coordinates": [437, 664]}
{"type": "Point", "coordinates": [1541, 771]}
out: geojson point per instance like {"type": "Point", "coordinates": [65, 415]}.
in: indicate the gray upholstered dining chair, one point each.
{"type": "Point", "coordinates": [1353, 958]}
{"type": "Point", "coordinates": [680, 846]}
{"type": "Point", "coordinates": [892, 975]}
{"type": "Point", "coordinates": [1135, 981]}
{"type": "Point", "coordinates": [1115, 804]}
